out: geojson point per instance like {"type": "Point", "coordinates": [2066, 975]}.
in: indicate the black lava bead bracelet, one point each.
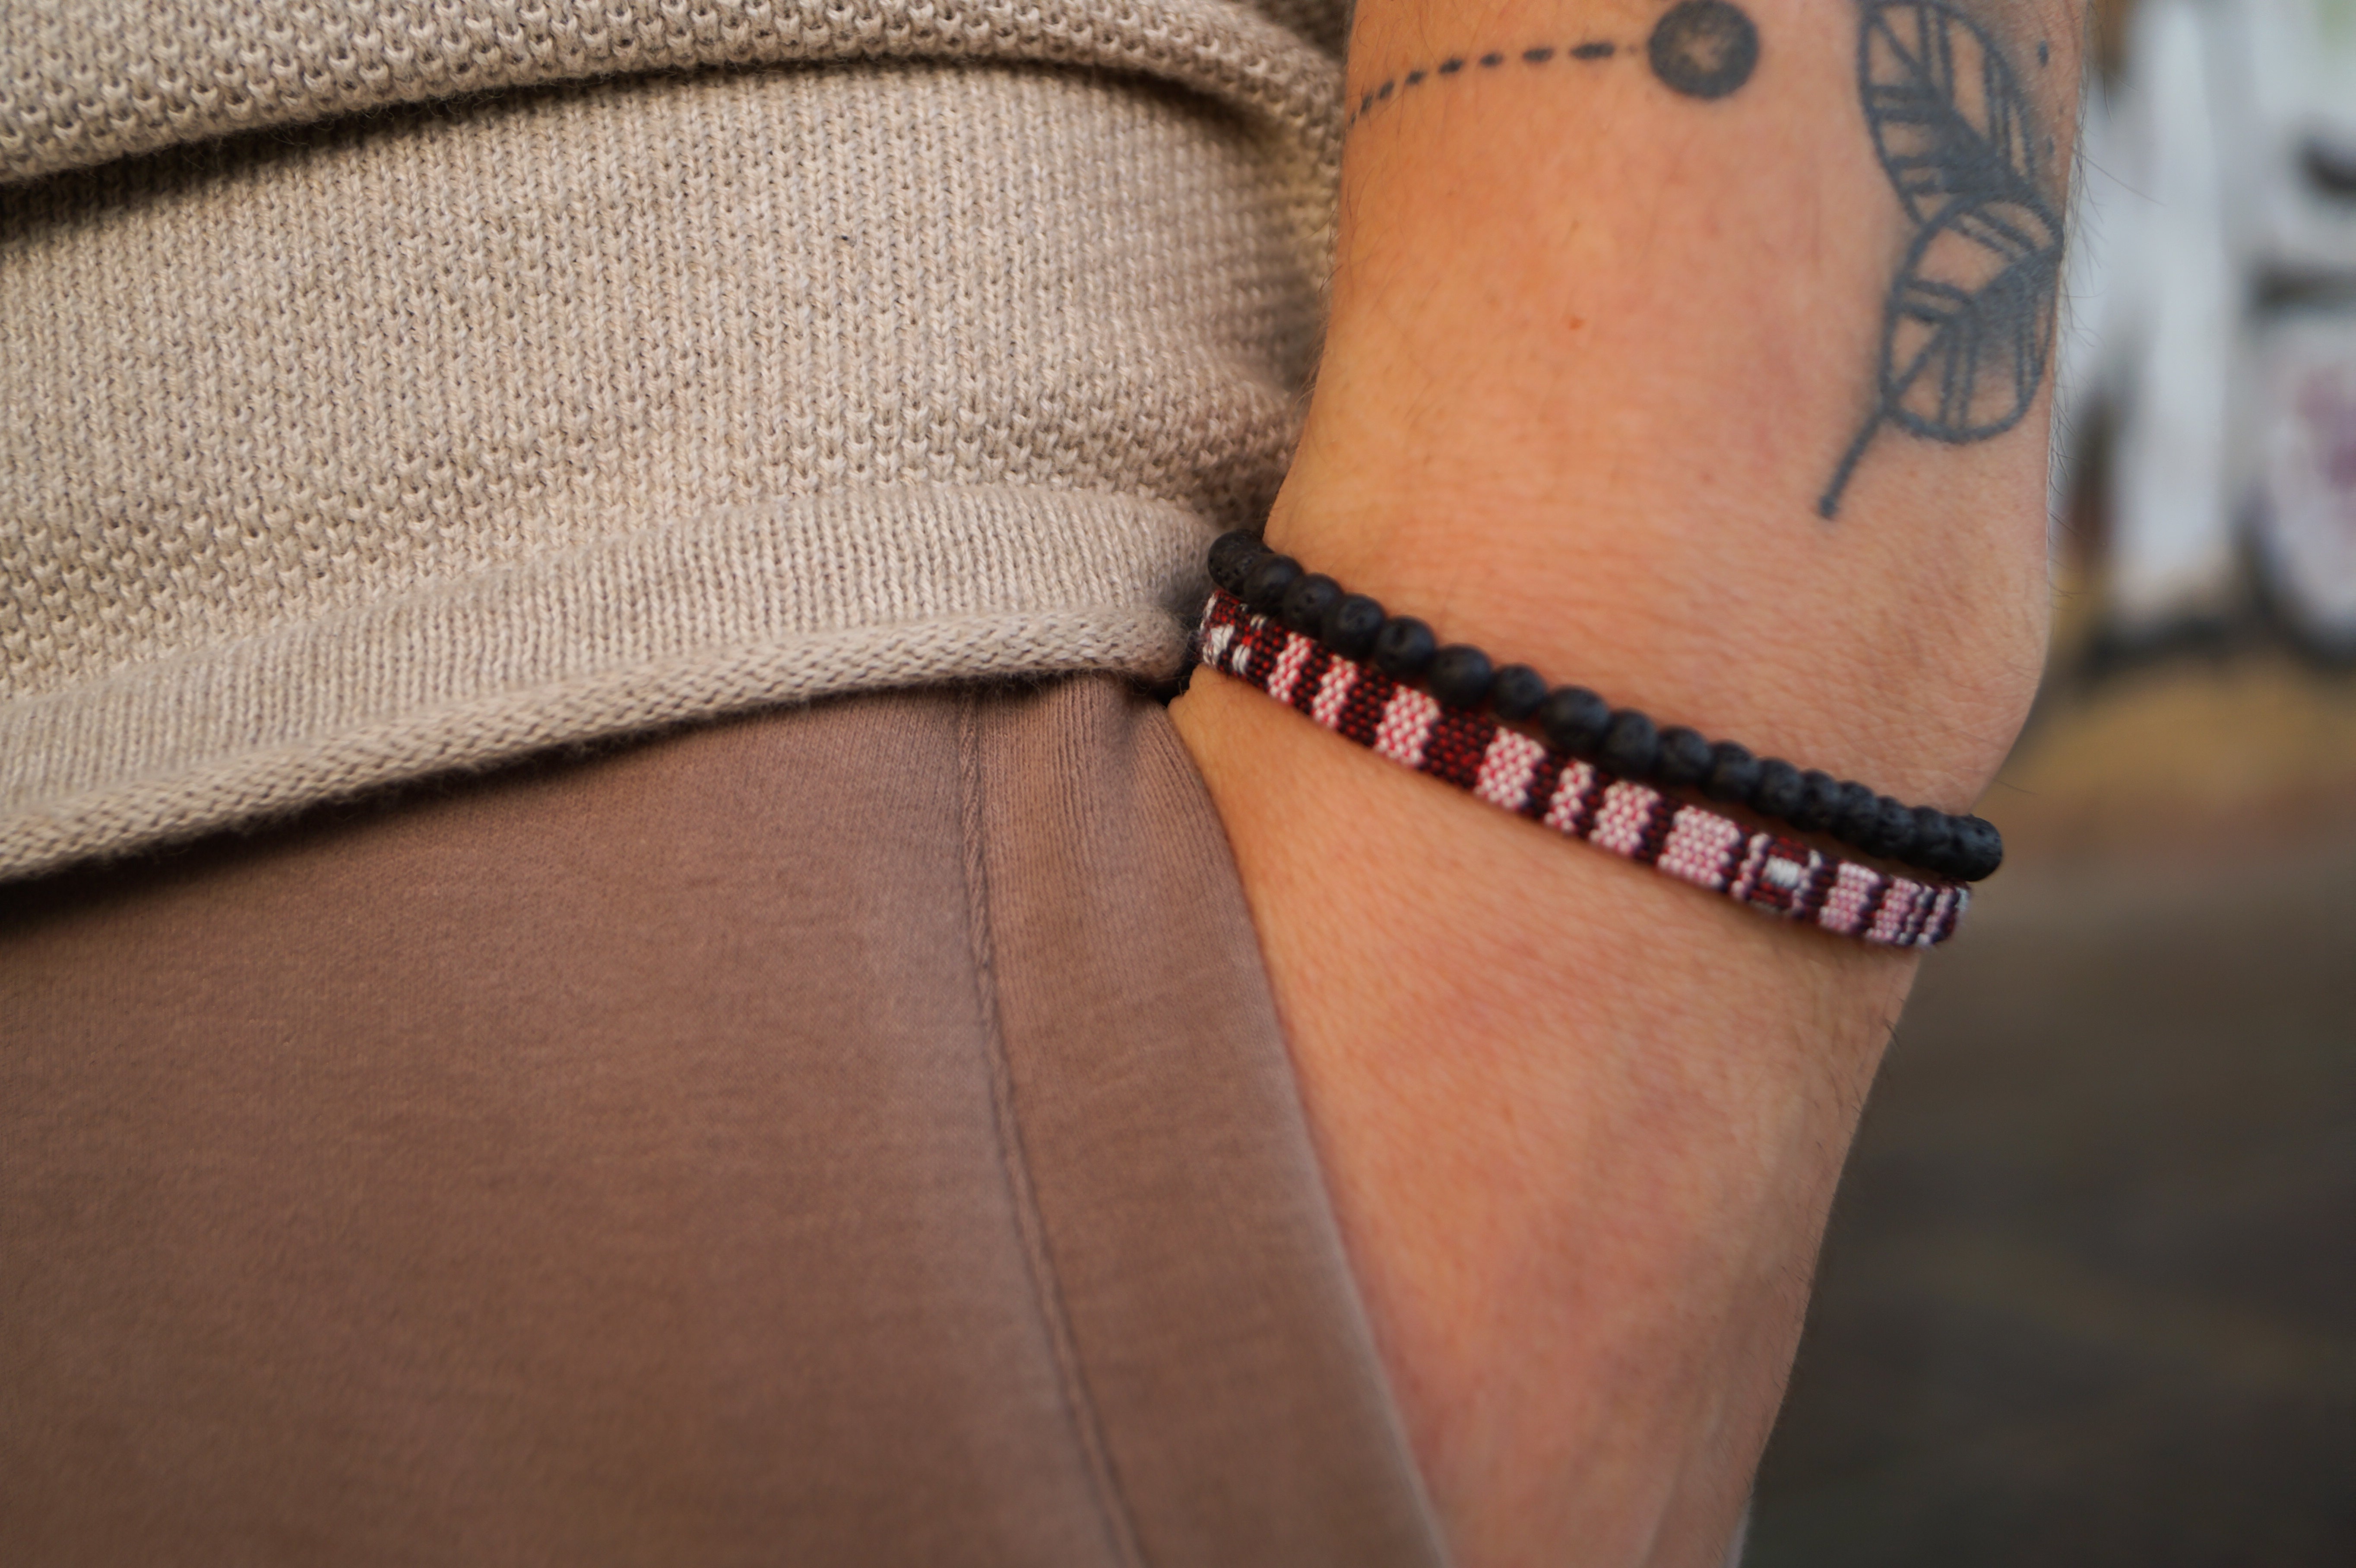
{"type": "Point", "coordinates": [1621, 741]}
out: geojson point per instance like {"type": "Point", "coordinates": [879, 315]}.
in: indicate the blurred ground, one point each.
{"type": "Point", "coordinates": [2089, 1296]}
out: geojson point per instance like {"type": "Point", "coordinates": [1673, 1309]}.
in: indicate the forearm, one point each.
{"type": "Point", "coordinates": [1603, 355]}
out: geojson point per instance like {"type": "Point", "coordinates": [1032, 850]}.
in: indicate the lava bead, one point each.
{"type": "Point", "coordinates": [1979, 848]}
{"type": "Point", "coordinates": [1306, 602]}
{"type": "Point", "coordinates": [1460, 675]}
{"type": "Point", "coordinates": [1264, 588]}
{"type": "Point", "coordinates": [1352, 626]}
{"type": "Point", "coordinates": [1516, 692]}
{"type": "Point", "coordinates": [1574, 720]}
{"type": "Point", "coordinates": [1733, 773]}
{"type": "Point", "coordinates": [1820, 802]}
{"type": "Point", "coordinates": [1780, 792]}
{"type": "Point", "coordinates": [1893, 831]}
{"type": "Point", "coordinates": [1404, 647]}
{"type": "Point", "coordinates": [1630, 746]}
{"type": "Point", "coordinates": [1857, 816]}
{"type": "Point", "coordinates": [1934, 841]}
{"type": "Point", "coordinates": [1685, 758]}
{"type": "Point", "coordinates": [1232, 557]}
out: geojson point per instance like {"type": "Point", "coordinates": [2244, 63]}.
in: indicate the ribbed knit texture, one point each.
{"type": "Point", "coordinates": [375, 444]}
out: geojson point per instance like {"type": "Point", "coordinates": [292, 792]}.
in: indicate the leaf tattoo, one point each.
{"type": "Point", "coordinates": [1968, 327]}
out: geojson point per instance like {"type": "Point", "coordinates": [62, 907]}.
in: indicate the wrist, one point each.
{"type": "Point", "coordinates": [1914, 681]}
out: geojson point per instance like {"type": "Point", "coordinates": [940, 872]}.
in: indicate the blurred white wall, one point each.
{"type": "Point", "coordinates": [2211, 319]}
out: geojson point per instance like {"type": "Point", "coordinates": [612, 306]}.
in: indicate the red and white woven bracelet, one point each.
{"type": "Point", "coordinates": [1766, 872]}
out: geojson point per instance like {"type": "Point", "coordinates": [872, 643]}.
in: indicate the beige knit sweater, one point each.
{"type": "Point", "coordinates": [392, 386]}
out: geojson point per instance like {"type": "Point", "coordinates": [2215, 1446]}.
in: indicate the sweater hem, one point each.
{"type": "Point", "coordinates": [663, 627]}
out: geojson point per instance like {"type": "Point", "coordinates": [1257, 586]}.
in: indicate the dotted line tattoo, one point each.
{"type": "Point", "coordinates": [1968, 325]}
{"type": "Point", "coordinates": [1702, 49]}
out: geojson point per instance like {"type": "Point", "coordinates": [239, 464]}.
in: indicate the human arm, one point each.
{"type": "Point", "coordinates": [1600, 353]}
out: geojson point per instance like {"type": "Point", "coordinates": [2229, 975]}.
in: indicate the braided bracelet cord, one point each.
{"type": "Point", "coordinates": [1764, 871]}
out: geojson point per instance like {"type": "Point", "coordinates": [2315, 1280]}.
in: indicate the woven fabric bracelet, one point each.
{"type": "Point", "coordinates": [1622, 740]}
{"type": "Point", "coordinates": [1472, 751]}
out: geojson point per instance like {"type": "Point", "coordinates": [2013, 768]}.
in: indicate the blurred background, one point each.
{"type": "Point", "coordinates": [2089, 1297]}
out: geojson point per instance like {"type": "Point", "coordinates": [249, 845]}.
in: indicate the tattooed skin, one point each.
{"type": "Point", "coordinates": [1702, 49]}
{"type": "Point", "coordinates": [1967, 325]}
{"type": "Point", "coordinates": [1967, 329]}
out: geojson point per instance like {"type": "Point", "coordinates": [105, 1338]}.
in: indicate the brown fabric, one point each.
{"type": "Point", "coordinates": [855, 1134]}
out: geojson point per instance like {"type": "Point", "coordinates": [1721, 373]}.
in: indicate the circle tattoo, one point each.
{"type": "Point", "coordinates": [1704, 48]}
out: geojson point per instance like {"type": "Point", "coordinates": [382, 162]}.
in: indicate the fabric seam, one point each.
{"type": "Point", "coordinates": [1046, 1287]}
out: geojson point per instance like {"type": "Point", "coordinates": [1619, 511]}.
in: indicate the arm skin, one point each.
{"type": "Point", "coordinates": [1596, 351]}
